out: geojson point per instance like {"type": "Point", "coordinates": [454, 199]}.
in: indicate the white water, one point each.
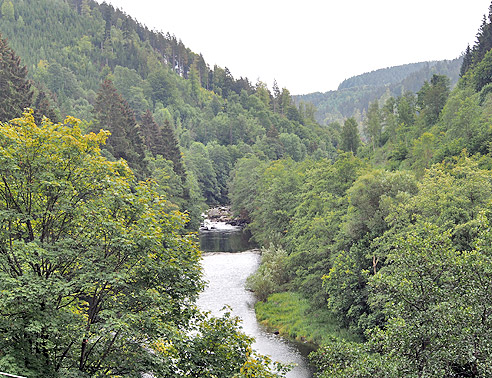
{"type": "Point", "coordinates": [218, 226]}
{"type": "Point", "coordinates": [226, 275]}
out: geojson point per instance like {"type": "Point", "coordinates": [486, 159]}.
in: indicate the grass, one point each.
{"type": "Point", "coordinates": [291, 316]}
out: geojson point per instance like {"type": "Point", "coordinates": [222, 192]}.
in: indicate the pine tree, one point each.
{"type": "Point", "coordinates": [113, 113]}
{"type": "Point", "coordinates": [374, 124]}
{"type": "Point", "coordinates": [15, 89]}
{"type": "Point", "coordinates": [484, 41]}
{"type": "Point", "coordinates": [276, 97]}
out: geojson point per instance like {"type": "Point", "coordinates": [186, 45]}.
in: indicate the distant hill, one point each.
{"type": "Point", "coordinates": [354, 95]}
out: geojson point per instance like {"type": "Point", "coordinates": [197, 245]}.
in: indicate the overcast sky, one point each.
{"type": "Point", "coordinates": [313, 45]}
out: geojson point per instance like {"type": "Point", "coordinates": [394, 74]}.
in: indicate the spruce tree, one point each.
{"type": "Point", "coordinates": [170, 149]}
{"type": "Point", "coordinates": [467, 61]}
{"type": "Point", "coordinates": [43, 108]}
{"type": "Point", "coordinates": [15, 89]}
{"type": "Point", "coordinates": [113, 113]}
{"type": "Point", "coordinates": [151, 134]}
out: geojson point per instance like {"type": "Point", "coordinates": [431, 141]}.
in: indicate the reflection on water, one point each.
{"type": "Point", "coordinates": [224, 238]}
{"type": "Point", "coordinates": [226, 275]}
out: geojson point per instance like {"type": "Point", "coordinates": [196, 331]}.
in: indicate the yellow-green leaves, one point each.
{"type": "Point", "coordinates": [93, 265]}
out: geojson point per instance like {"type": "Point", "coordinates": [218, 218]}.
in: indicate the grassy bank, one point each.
{"type": "Point", "coordinates": [290, 314]}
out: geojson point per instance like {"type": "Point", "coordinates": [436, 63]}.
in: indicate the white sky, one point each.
{"type": "Point", "coordinates": [313, 45]}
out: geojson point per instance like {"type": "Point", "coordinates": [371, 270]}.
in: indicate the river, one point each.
{"type": "Point", "coordinates": [227, 262]}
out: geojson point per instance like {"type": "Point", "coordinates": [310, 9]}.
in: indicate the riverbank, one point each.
{"type": "Point", "coordinates": [226, 274]}
{"type": "Point", "coordinates": [292, 317]}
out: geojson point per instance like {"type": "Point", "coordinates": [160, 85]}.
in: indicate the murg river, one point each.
{"type": "Point", "coordinates": [227, 261]}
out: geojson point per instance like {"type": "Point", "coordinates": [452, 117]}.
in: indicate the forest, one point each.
{"type": "Point", "coordinates": [353, 95]}
{"type": "Point", "coordinates": [114, 139]}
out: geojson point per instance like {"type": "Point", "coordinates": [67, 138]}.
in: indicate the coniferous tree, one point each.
{"type": "Point", "coordinates": [467, 61]}
{"type": "Point", "coordinates": [113, 113]}
{"type": "Point", "coordinates": [15, 89]}
{"type": "Point", "coordinates": [43, 108]}
{"type": "Point", "coordinates": [151, 134]}
{"type": "Point", "coordinates": [374, 124]}
{"type": "Point", "coordinates": [432, 97]}
{"type": "Point", "coordinates": [162, 141]}
{"type": "Point", "coordinates": [170, 149]}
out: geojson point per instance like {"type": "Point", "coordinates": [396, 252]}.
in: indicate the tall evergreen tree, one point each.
{"type": "Point", "coordinates": [15, 89]}
{"type": "Point", "coordinates": [374, 124]}
{"type": "Point", "coordinates": [170, 150]}
{"type": "Point", "coordinates": [467, 61]}
{"type": "Point", "coordinates": [43, 108]}
{"type": "Point", "coordinates": [432, 97]}
{"type": "Point", "coordinates": [162, 141]}
{"type": "Point", "coordinates": [113, 113]}
{"type": "Point", "coordinates": [151, 134]}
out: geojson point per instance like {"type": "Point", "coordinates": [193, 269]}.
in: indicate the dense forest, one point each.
{"type": "Point", "coordinates": [353, 96]}
{"type": "Point", "coordinates": [78, 51]}
{"type": "Point", "coordinates": [114, 138]}
{"type": "Point", "coordinates": [389, 241]}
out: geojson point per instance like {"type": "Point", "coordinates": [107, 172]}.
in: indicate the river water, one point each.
{"type": "Point", "coordinates": [227, 262]}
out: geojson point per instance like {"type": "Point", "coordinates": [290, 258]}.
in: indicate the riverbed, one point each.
{"type": "Point", "coordinates": [226, 274]}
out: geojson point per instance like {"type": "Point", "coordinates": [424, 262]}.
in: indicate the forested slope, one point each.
{"type": "Point", "coordinates": [353, 96]}
{"type": "Point", "coordinates": [72, 47]}
{"type": "Point", "coordinates": [99, 271]}
{"type": "Point", "coordinates": [379, 226]}
{"type": "Point", "coordinates": [392, 237]}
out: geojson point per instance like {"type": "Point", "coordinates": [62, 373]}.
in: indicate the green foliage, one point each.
{"type": "Point", "coordinates": [483, 72]}
{"type": "Point", "coordinates": [434, 297]}
{"type": "Point", "coordinates": [349, 138]}
{"type": "Point", "coordinates": [271, 275]}
{"type": "Point", "coordinates": [93, 266]}
{"type": "Point", "coordinates": [97, 274]}
{"type": "Point", "coordinates": [432, 97]}
{"type": "Point", "coordinates": [15, 90]}
{"type": "Point", "coordinates": [374, 124]}
{"type": "Point", "coordinates": [276, 200]}
{"type": "Point", "coordinates": [243, 187]}
{"type": "Point", "coordinates": [198, 161]}
{"type": "Point", "coordinates": [322, 203]}
{"type": "Point", "coordinates": [216, 349]}
{"type": "Point", "coordinates": [7, 10]}
{"type": "Point", "coordinates": [372, 197]}
{"type": "Point", "coordinates": [113, 113]}
{"type": "Point", "coordinates": [339, 358]}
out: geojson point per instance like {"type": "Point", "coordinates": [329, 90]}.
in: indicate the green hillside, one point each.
{"type": "Point", "coordinates": [71, 47]}
{"type": "Point", "coordinates": [375, 230]}
{"type": "Point", "coordinates": [353, 96]}
{"type": "Point", "coordinates": [390, 242]}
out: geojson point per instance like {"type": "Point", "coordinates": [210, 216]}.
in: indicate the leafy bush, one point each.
{"type": "Point", "coordinates": [271, 275]}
